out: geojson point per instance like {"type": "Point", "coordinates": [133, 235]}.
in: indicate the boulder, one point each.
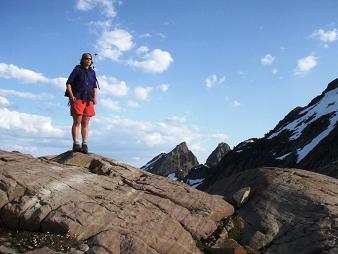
{"type": "Point", "coordinates": [289, 210]}
{"type": "Point", "coordinates": [115, 207]}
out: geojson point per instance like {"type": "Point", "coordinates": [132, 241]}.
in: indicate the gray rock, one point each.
{"type": "Point", "coordinates": [44, 250]}
{"type": "Point", "coordinates": [216, 156]}
{"type": "Point", "coordinates": [290, 210]}
{"type": "Point", "coordinates": [7, 250]}
{"type": "Point", "coordinates": [84, 247]}
{"type": "Point", "coordinates": [179, 161]}
{"type": "Point", "coordinates": [125, 210]}
{"type": "Point", "coordinates": [241, 197]}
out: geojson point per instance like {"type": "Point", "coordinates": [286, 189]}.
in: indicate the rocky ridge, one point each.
{"type": "Point", "coordinates": [112, 206]}
{"type": "Point", "coordinates": [175, 164]}
{"type": "Point", "coordinates": [288, 210]}
{"type": "Point", "coordinates": [306, 138]}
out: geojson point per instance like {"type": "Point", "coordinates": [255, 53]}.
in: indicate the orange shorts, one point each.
{"type": "Point", "coordinates": [80, 108]}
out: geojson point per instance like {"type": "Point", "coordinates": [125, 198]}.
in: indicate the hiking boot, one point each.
{"type": "Point", "coordinates": [76, 148]}
{"type": "Point", "coordinates": [84, 148]}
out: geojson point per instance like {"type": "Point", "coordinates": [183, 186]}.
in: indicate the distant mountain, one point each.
{"type": "Point", "coordinates": [175, 164]}
{"type": "Point", "coordinates": [198, 173]}
{"type": "Point", "coordinates": [306, 138]}
{"type": "Point", "coordinates": [216, 156]}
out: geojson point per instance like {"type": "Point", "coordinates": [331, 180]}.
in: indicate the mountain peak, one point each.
{"type": "Point", "coordinates": [178, 161]}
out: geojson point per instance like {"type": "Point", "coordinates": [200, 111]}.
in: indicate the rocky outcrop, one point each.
{"type": "Point", "coordinates": [177, 162]}
{"type": "Point", "coordinates": [112, 206]}
{"type": "Point", "coordinates": [216, 156]}
{"type": "Point", "coordinates": [289, 210]}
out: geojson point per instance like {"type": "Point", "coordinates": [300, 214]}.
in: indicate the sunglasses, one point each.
{"type": "Point", "coordinates": [88, 58]}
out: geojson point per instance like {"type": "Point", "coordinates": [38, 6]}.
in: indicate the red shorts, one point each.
{"type": "Point", "coordinates": [80, 108]}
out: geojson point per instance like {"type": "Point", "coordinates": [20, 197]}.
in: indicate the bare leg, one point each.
{"type": "Point", "coordinates": [75, 128]}
{"type": "Point", "coordinates": [84, 128]}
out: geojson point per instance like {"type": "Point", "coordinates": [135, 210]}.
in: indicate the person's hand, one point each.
{"type": "Point", "coordinates": [72, 99]}
{"type": "Point", "coordinates": [94, 101]}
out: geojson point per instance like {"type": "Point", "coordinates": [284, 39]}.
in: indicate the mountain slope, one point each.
{"type": "Point", "coordinates": [306, 138]}
{"type": "Point", "coordinates": [175, 164]}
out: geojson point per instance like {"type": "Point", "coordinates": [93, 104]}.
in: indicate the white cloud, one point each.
{"type": "Point", "coordinates": [241, 73]}
{"type": "Point", "coordinates": [165, 133]}
{"type": "Point", "coordinates": [99, 26]}
{"type": "Point", "coordinates": [112, 86]}
{"type": "Point", "coordinates": [163, 36]}
{"type": "Point", "coordinates": [267, 59]}
{"type": "Point", "coordinates": [305, 65]}
{"type": "Point", "coordinates": [106, 6]}
{"type": "Point", "coordinates": [25, 95]}
{"type": "Point", "coordinates": [110, 104]}
{"type": "Point", "coordinates": [177, 119]}
{"type": "Point", "coordinates": [142, 50]}
{"type": "Point", "coordinates": [22, 149]}
{"type": "Point", "coordinates": [30, 124]}
{"type": "Point", "coordinates": [213, 79]}
{"type": "Point", "coordinates": [3, 102]}
{"type": "Point", "coordinates": [155, 61]}
{"type": "Point", "coordinates": [164, 87]}
{"type": "Point", "coordinates": [133, 104]}
{"type": "Point", "coordinates": [325, 37]}
{"type": "Point", "coordinates": [145, 35]}
{"type": "Point", "coordinates": [236, 104]}
{"type": "Point", "coordinates": [10, 71]}
{"type": "Point", "coordinates": [112, 44]}
{"type": "Point", "coordinates": [274, 71]}
{"type": "Point", "coordinates": [142, 93]}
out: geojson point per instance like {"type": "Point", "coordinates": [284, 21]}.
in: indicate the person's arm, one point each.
{"type": "Point", "coordinates": [94, 95]}
{"type": "Point", "coordinates": [70, 92]}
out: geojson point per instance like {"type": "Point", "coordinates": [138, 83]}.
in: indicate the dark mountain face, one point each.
{"type": "Point", "coordinates": [306, 138]}
{"type": "Point", "coordinates": [179, 161]}
{"type": "Point", "coordinates": [216, 156]}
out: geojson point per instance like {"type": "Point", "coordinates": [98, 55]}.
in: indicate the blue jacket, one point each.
{"type": "Point", "coordinates": [83, 83]}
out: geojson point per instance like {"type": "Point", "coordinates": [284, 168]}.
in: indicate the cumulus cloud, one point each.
{"type": "Point", "coordinates": [110, 104]}
{"type": "Point", "coordinates": [212, 80]}
{"type": "Point", "coordinates": [11, 71]}
{"type": "Point", "coordinates": [325, 37]}
{"type": "Point", "coordinates": [3, 102]}
{"type": "Point", "coordinates": [99, 26]}
{"type": "Point", "coordinates": [25, 95]}
{"type": "Point", "coordinates": [156, 61]}
{"type": "Point", "coordinates": [106, 6]}
{"type": "Point", "coordinates": [142, 93]}
{"type": "Point", "coordinates": [133, 104]}
{"type": "Point", "coordinates": [28, 123]}
{"type": "Point", "coordinates": [305, 65]}
{"type": "Point", "coordinates": [267, 59]}
{"type": "Point", "coordinates": [112, 86]}
{"type": "Point", "coordinates": [166, 132]}
{"type": "Point", "coordinates": [112, 44]}
{"type": "Point", "coordinates": [142, 50]}
{"type": "Point", "coordinates": [163, 87]}
{"type": "Point", "coordinates": [177, 119]}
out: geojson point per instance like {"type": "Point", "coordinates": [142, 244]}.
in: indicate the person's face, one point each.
{"type": "Point", "coordinates": [87, 61]}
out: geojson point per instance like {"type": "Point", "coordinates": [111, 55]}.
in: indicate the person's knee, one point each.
{"type": "Point", "coordinates": [77, 123]}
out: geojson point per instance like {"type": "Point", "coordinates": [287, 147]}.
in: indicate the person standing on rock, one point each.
{"type": "Point", "coordinates": [81, 90]}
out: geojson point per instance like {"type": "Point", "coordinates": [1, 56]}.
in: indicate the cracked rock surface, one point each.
{"type": "Point", "coordinates": [289, 210]}
{"type": "Point", "coordinates": [115, 207]}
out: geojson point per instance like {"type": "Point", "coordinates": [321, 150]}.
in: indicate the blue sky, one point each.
{"type": "Point", "coordinates": [198, 71]}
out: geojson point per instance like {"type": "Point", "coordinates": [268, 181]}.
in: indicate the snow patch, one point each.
{"type": "Point", "coordinates": [283, 156]}
{"type": "Point", "coordinates": [195, 182]}
{"type": "Point", "coordinates": [172, 176]}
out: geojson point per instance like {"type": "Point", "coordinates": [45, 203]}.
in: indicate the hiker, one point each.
{"type": "Point", "coordinates": [81, 90]}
